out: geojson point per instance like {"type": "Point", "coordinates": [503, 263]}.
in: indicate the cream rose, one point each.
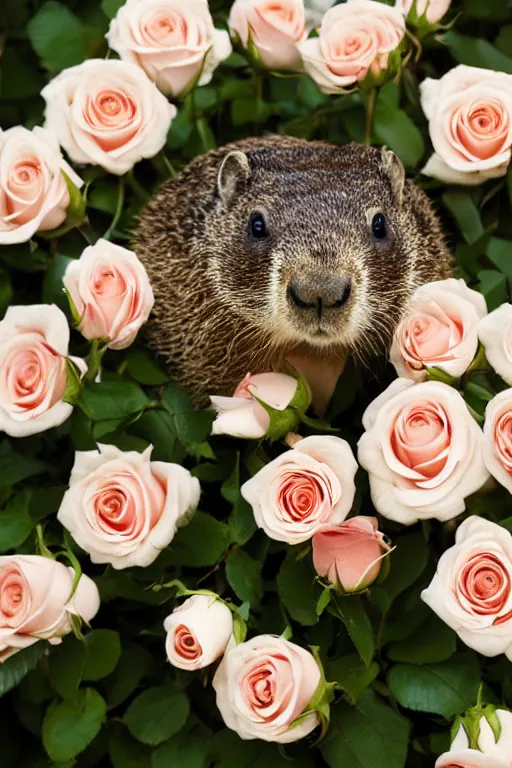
{"type": "Point", "coordinates": [198, 632]}
{"type": "Point", "coordinates": [122, 508]}
{"type": "Point", "coordinates": [107, 113]}
{"type": "Point", "coordinates": [438, 330]}
{"type": "Point", "coordinates": [471, 591]}
{"type": "Point", "coordinates": [497, 447]}
{"type": "Point", "coordinates": [435, 9]}
{"type": "Point", "coordinates": [34, 195]}
{"type": "Point", "coordinates": [35, 601]}
{"type": "Point", "coordinates": [265, 684]}
{"type": "Point", "coordinates": [491, 752]}
{"type": "Point", "coordinates": [173, 41]}
{"type": "Point", "coordinates": [470, 123]}
{"type": "Point", "coordinates": [355, 38]}
{"type": "Point", "coordinates": [469, 758]}
{"type": "Point", "coordinates": [495, 333]}
{"type": "Point", "coordinates": [274, 28]}
{"type": "Point", "coordinates": [34, 343]}
{"type": "Point", "coordinates": [111, 292]}
{"type": "Point", "coordinates": [422, 450]}
{"type": "Point", "coordinates": [304, 489]}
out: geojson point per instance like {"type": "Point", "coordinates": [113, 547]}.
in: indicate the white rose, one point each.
{"type": "Point", "coordinates": [491, 753]}
{"type": "Point", "coordinates": [497, 448]}
{"type": "Point", "coordinates": [495, 332]}
{"type": "Point", "coordinates": [198, 632]}
{"type": "Point", "coordinates": [435, 9]}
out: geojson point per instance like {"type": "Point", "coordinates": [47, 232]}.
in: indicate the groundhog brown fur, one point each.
{"type": "Point", "coordinates": [274, 249]}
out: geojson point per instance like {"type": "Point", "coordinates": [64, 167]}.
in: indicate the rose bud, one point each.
{"type": "Point", "coordinates": [483, 739]}
{"type": "Point", "coordinates": [495, 333]}
{"type": "Point", "coordinates": [198, 632]}
{"type": "Point", "coordinates": [35, 601]}
{"type": "Point", "coordinates": [497, 448]}
{"type": "Point", "coordinates": [350, 555]}
{"type": "Point", "coordinates": [434, 9]}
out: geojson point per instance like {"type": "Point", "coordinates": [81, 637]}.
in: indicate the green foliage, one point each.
{"type": "Point", "coordinates": [157, 714]}
{"type": "Point", "coordinates": [69, 727]}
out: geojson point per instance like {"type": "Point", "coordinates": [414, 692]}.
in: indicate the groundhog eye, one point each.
{"type": "Point", "coordinates": [259, 227]}
{"type": "Point", "coordinates": [379, 229]}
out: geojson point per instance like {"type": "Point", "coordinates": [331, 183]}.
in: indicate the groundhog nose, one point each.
{"type": "Point", "coordinates": [326, 294]}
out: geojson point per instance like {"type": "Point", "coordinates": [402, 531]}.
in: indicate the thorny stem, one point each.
{"type": "Point", "coordinates": [171, 170]}
{"type": "Point", "coordinates": [118, 212]}
{"type": "Point", "coordinates": [371, 100]}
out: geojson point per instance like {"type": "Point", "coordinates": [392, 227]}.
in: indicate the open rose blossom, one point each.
{"type": "Point", "coordinates": [198, 632]}
{"type": "Point", "coordinates": [242, 415]}
{"type": "Point", "coordinates": [438, 330]}
{"type": "Point", "coordinates": [495, 332]}
{"type": "Point", "coordinates": [111, 293]}
{"type": "Point", "coordinates": [471, 591]}
{"type": "Point", "coordinates": [422, 450]}
{"type": "Point", "coordinates": [498, 438]}
{"type": "Point", "coordinates": [493, 751]}
{"type": "Point", "coordinates": [34, 595]}
{"type": "Point", "coordinates": [350, 555]}
{"type": "Point", "coordinates": [33, 369]}
{"type": "Point", "coordinates": [263, 685]}
{"type": "Point", "coordinates": [355, 38]}
{"type": "Point", "coordinates": [304, 489]}
{"type": "Point", "coordinates": [173, 41]}
{"type": "Point", "coordinates": [122, 508]}
{"type": "Point", "coordinates": [470, 123]}
{"type": "Point", "coordinates": [107, 113]}
{"type": "Point", "coordinates": [273, 27]}
{"type": "Point", "coordinates": [34, 195]}
{"type": "Point", "coordinates": [435, 9]}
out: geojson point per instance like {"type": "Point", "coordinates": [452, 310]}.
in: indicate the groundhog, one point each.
{"type": "Point", "coordinates": [278, 249]}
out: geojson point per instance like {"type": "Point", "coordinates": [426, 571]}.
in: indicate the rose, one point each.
{"type": "Point", "coordinates": [469, 758]}
{"type": "Point", "coordinates": [242, 415]}
{"type": "Point", "coordinates": [491, 750]}
{"type": "Point", "coordinates": [33, 369]}
{"type": "Point", "coordinates": [422, 450]}
{"type": "Point", "coordinates": [495, 333]}
{"type": "Point", "coordinates": [34, 195]}
{"type": "Point", "coordinates": [265, 684]}
{"type": "Point", "coordinates": [174, 42]}
{"type": "Point", "coordinates": [471, 590]}
{"type": "Point", "coordinates": [355, 38]}
{"type": "Point", "coordinates": [439, 330]}
{"type": "Point", "coordinates": [273, 28]}
{"type": "Point", "coordinates": [122, 508]}
{"type": "Point", "coordinates": [111, 293]}
{"type": "Point", "coordinates": [497, 447]}
{"type": "Point", "coordinates": [35, 601]}
{"type": "Point", "coordinates": [349, 555]}
{"type": "Point", "coordinates": [198, 632]}
{"type": "Point", "coordinates": [434, 9]}
{"type": "Point", "coordinates": [107, 113]}
{"type": "Point", "coordinates": [470, 123]}
{"type": "Point", "coordinates": [304, 489]}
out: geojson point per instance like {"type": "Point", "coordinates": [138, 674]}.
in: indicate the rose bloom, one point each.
{"type": "Point", "coordinates": [439, 330]}
{"type": "Point", "coordinates": [470, 758]}
{"type": "Point", "coordinates": [471, 591]}
{"type": "Point", "coordinates": [242, 415]}
{"type": "Point", "coordinates": [107, 113]}
{"type": "Point", "coordinates": [34, 195]}
{"type": "Point", "coordinates": [273, 27]}
{"type": "Point", "coordinates": [497, 448]}
{"type": "Point", "coordinates": [355, 38]}
{"type": "Point", "coordinates": [470, 123]}
{"type": "Point", "coordinates": [350, 555]}
{"type": "Point", "coordinates": [422, 450]}
{"type": "Point", "coordinates": [435, 9]}
{"type": "Point", "coordinates": [173, 41]}
{"type": "Point", "coordinates": [495, 333]}
{"type": "Point", "coordinates": [304, 489]}
{"type": "Point", "coordinates": [34, 595]}
{"type": "Point", "coordinates": [122, 508]}
{"type": "Point", "coordinates": [198, 632]}
{"type": "Point", "coordinates": [33, 355]}
{"type": "Point", "coordinates": [111, 292]}
{"type": "Point", "coordinates": [263, 685]}
{"type": "Point", "coordinates": [491, 753]}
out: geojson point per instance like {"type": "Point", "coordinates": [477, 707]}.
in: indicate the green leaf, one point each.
{"type": "Point", "coordinates": [493, 285]}
{"type": "Point", "coordinates": [432, 642]}
{"type": "Point", "coordinates": [14, 669]}
{"type": "Point", "coordinates": [127, 752]}
{"type": "Point", "coordinates": [157, 426]}
{"type": "Point", "coordinates": [74, 383]}
{"type": "Point", "coordinates": [352, 675]}
{"type": "Point", "coordinates": [53, 287]}
{"type": "Point", "coordinates": [187, 750]}
{"type": "Point", "coordinates": [298, 589]}
{"type": "Point", "coordinates": [15, 521]}
{"type": "Point", "coordinates": [103, 652]}
{"type": "Point", "coordinates": [111, 7]}
{"type": "Point", "coordinates": [244, 577]}
{"type": "Point", "coordinates": [69, 727]}
{"type": "Point", "coordinates": [499, 251]}
{"type": "Point", "coordinates": [66, 666]}
{"type": "Point", "coordinates": [142, 367]}
{"type": "Point", "coordinates": [157, 714]}
{"type": "Point", "coordinates": [15, 467]}
{"type": "Point", "coordinates": [192, 427]}
{"type": "Point", "coordinates": [60, 38]}
{"type": "Point", "coordinates": [352, 612]}
{"type": "Point", "coordinates": [202, 542]}
{"type": "Point", "coordinates": [394, 128]}
{"type": "Point", "coordinates": [408, 562]}
{"type": "Point", "coordinates": [461, 205]}
{"type": "Point", "coordinates": [245, 111]}
{"type": "Point", "coordinates": [476, 53]}
{"type": "Point", "coordinates": [112, 400]}
{"type": "Point", "coordinates": [133, 665]}
{"type": "Point", "coordinates": [229, 751]}
{"type": "Point", "coordinates": [241, 522]}
{"type": "Point", "coordinates": [25, 257]}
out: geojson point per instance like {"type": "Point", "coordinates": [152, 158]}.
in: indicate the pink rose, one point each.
{"type": "Point", "coordinates": [242, 415]}
{"type": "Point", "coordinates": [495, 333]}
{"type": "Point", "coordinates": [107, 113]}
{"type": "Point", "coordinates": [174, 42]}
{"type": "Point", "coordinates": [33, 369]}
{"type": "Point", "coordinates": [34, 595]}
{"type": "Point", "coordinates": [422, 450]}
{"type": "Point", "coordinates": [198, 632]}
{"type": "Point", "coordinates": [304, 489]}
{"type": "Point", "coordinates": [111, 292]}
{"type": "Point", "coordinates": [470, 758]}
{"type": "Point", "coordinates": [122, 508]}
{"type": "Point", "coordinates": [435, 9]}
{"type": "Point", "coordinates": [33, 192]}
{"type": "Point", "coordinates": [355, 38]}
{"type": "Point", "coordinates": [350, 555]}
{"type": "Point", "coordinates": [265, 684]}
{"type": "Point", "coordinates": [470, 123]}
{"type": "Point", "coordinates": [497, 447]}
{"type": "Point", "coordinates": [471, 591]}
{"type": "Point", "coordinates": [274, 27]}
{"type": "Point", "coordinates": [494, 750]}
{"type": "Point", "coordinates": [439, 330]}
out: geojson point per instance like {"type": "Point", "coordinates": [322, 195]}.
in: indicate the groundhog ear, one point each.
{"type": "Point", "coordinates": [234, 172]}
{"type": "Point", "coordinates": [395, 170]}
